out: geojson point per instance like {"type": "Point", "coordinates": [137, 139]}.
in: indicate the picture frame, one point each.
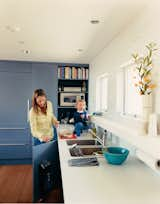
{"type": "Point", "coordinates": [70, 99]}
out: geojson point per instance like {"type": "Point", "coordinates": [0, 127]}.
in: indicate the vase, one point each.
{"type": "Point", "coordinates": [146, 110]}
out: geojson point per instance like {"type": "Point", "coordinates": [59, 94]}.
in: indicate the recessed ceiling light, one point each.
{"type": "Point", "coordinates": [17, 28]}
{"type": "Point", "coordinates": [80, 50]}
{"type": "Point", "coordinates": [94, 21]}
{"type": "Point", "coordinates": [21, 42]}
{"type": "Point", "coordinates": [12, 28]}
{"type": "Point", "coordinates": [26, 52]}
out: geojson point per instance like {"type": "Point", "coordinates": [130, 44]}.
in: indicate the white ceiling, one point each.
{"type": "Point", "coordinates": [54, 30]}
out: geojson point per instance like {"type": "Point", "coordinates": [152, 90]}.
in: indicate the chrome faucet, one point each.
{"type": "Point", "coordinates": [102, 139]}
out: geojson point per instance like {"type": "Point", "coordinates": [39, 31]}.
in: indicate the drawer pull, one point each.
{"type": "Point", "coordinates": [8, 128]}
{"type": "Point", "coordinates": [5, 144]}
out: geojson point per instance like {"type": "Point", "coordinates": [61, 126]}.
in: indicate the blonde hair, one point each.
{"type": "Point", "coordinates": [81, 101]}
{"type": "Point", "coordinates": [39, 92]}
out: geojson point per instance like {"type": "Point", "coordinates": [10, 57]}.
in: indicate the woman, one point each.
{"type": "Point", "coordinates": [41, 118]}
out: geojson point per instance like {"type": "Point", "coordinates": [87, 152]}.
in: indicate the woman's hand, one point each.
{"type": "Point", "coordinates": [56, 124]}
{"type": "Point", "coordinates": [46, 138]}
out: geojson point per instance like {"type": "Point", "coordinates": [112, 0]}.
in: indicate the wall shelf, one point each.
{"type": "Point", "coordinates": [72, 80]}
{"type": "Point", "coordinates": [72, 92]}
{"type": "Point", "coordinates": [66, 107]}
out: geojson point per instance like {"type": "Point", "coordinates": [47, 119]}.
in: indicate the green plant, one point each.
{"type": "Point", "coordinates": [143, 70]}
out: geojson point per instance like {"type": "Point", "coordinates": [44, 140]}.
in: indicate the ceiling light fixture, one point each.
{"type": "Point", "coordinates": [12, 28]}
{"type": "Point", "coordinates": [80, 50]}
{"type": "Point", "coordinates": [94, 21]}
{"type": "Point", "coordinates": [26, 52]}
{"type": "Point", "coordinates": [16, 28]}
{"type": "Point", "coordinates": [21, 42]}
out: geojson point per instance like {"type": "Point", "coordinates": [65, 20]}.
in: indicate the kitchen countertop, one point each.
{"type": "Point", "coordinates": [133, 182]}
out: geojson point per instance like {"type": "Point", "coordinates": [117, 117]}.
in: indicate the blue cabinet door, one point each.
{"type": "Point", "coordinates": [44, 75]}
{"type": "Point", "coordinates": [15, 92]}
{"type": "Point", "coordinates": [15, 143]}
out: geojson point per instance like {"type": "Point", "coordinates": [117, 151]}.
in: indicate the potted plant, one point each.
{"type": "Point", "coordinates": [143, 78]}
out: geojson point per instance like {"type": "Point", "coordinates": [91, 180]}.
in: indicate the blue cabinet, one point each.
{"type": "Point", "coordinates": [15, 144]}
{"type": "Point", "coordinates": [18, 80]}
{"type": "Point", "coordinates": [44, 75]}
{"type": "Point", "coordinates": [15, 92]}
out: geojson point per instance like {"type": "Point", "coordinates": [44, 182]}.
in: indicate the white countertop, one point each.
{"type": "Point", "coordinates": [131, 183]}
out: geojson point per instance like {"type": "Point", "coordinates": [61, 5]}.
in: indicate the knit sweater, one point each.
{"type": "Point", "coordinates": [41, 124]}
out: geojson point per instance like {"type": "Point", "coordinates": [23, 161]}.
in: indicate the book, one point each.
{"type": "Point", "coordinates": [67, 70]}
{"type": "Point", "coordinates": [59, 72]}
{"type": "Point", "coordinates": [87, 73]}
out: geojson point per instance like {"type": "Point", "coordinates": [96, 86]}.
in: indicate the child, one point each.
{"type": "Point", "coordinates": [80, 118]}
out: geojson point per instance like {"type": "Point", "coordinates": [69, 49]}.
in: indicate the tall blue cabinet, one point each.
{"type": "Point", "coordinates": [15, 90]}
{"type": "Point", "coordinates": [18, 80]}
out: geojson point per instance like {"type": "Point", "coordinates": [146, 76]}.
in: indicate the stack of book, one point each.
{"type": "Point", "coordinates": [72, 73]}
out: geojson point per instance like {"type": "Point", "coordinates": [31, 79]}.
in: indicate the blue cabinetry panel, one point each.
{"type": "Point", "coordinates": [15, 136]}
{"type": "Point", "coordinates": [18, 80]}
{"type": "Point", "coordinates": [15, 91]}
{"type": "Point", "coordinates": [15, 152]}
{"type": "Point", "coordinates": [44, 75]}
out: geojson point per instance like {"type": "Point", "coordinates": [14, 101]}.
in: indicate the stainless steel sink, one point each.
{"type": "Point", "coordinates": [86, 151]}
{"type": "Point", "coordinates": [84, 142]}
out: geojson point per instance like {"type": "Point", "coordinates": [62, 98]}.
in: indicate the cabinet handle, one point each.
{"type": "Point", "coordinates": [10, 128]}
{"type": "Point", "coordinates": [10, 144]}
{"type": "Point", "coordinates": [28, 111]}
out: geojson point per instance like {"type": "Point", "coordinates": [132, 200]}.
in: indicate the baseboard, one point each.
{"type": "Point", "coordinates": [15, 161]}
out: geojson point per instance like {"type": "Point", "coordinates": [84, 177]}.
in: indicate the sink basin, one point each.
{"type": "Point", "coordinates": [86, 151]}
{"type": "Point", "coordinates": [83, 142]}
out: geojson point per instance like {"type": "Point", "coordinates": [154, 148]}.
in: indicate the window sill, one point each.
{"type": "Point", "coordinates": [130, 117]}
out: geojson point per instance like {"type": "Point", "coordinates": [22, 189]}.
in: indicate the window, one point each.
{"type": "Point", "coordinates": [132, 99]}
{"type": "Point", "coordinates": [102, 93]}
{"type": "Point", "coordinates": [129, 101]}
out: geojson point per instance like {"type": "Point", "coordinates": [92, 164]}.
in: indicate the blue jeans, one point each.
{"type": "Point", "coordinates": [79, 127]}
{"type": "Point", "coordinates": [36, 141]}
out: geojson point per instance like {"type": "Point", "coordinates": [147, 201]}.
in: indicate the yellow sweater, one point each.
{"type": "Point", "coordinates": [41, 124]}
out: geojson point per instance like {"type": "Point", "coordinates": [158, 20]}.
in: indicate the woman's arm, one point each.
{"type": "Point", "coordinates": [33, 125]}
{"type": "Point", "coordinates": [55, 122]}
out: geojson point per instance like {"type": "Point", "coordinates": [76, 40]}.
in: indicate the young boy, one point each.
{"type": "Point", "coordinates": [80, 118]}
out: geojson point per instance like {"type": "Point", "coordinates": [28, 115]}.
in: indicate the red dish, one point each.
{"type": "Point", "coordinates": [72, 136]}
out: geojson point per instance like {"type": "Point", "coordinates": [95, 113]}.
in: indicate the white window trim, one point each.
{"type": "Point", "coordinates": [122, 112]}
{"type": "Point", "coordinates": [97, 91]}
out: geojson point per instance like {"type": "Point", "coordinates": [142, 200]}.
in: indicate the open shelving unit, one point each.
{"type": "Point", "coordinates": [72, 85]}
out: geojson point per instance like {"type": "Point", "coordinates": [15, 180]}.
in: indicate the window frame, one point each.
{"type": "Point", "coordinates": [98, 93]}
{"type": "Point", "coordinates": [122, 111]}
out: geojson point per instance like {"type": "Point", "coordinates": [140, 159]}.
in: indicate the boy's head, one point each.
{"type": "Point", "coordinates": [81, 105]}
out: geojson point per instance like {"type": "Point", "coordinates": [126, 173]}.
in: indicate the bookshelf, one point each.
{"type": "Point", "coordinates": [72, 85]}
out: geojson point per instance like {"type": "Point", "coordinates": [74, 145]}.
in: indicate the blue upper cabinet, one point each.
{"type": "Point", "coordinates": [44, 75]}
{"type": "Point", "coordinates": [15, 91]}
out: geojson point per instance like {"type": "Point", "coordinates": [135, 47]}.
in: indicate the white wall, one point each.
{"type": "Point", "coordinates": [145, 28]}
